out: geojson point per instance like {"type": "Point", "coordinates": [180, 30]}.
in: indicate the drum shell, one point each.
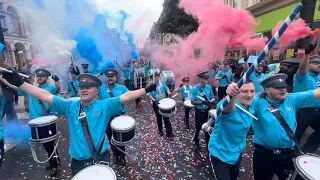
{"type": "Point", "coordinates": [167, 111]}
{"type": "Point", "coordinates": [43, 132]}
{"type": "Point", "coordinates": [123, 137]}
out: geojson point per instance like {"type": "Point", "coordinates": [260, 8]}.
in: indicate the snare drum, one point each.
{"type": "Point", "coordinates": [96, 172]}
{"type": "Point", "coordinates": [187, 104]}
{"type": "Point", "coordinates": [123, 130]}
{"type": "Point", "coordinates": [168, 78]}
{"type": "Point", "coordinates": [211, 113]}
{"type": "Point", "coordinates": [167, 107]}
{"type": "Point", "coordinates": [308, 166]}
{"type": "Point", "coordinates": [44, 129]}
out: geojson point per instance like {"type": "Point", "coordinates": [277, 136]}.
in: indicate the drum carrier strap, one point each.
{"type": "Point", "coordinates": [74, 88]}
{"type": "Point", "coordinates": [46, 111]}
{"type": "Point", "coordinates": [286, 127]}
{"type": "Point", "coordinates": [94, 153]}
{"type": "Point", "coordinates": [110, 92]}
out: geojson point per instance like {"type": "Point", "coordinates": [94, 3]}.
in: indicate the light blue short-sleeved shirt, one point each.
{"type": "Point", "coordinates": [256, 78]}
{"type": "Point", "coordinates": [185, 91]}
{"type": "Point", "coordinates": [160, 92]}
{"type": "Point", "coordinates": [117, 90]}
{"type": "Point", "coordinates": [195, 91]}
{"type": "Point", "coordinates": [126, 73]}
{"type": "Point", "coordinates": [224, 81]}
{"type": "Point", "coordinates": [228, 138]}
{"type": "Point", "coordinates": [98, 115]}
{"type": "Point", "coordinates": [71, 89]}
{"type": "Point", "coordinates": [35, 109]}
{"type": "Point", "coordinates": [267, 130]}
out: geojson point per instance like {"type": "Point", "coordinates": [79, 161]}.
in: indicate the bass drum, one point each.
{"type": "Point", "coordinates": [169, 79]}
{"type": "Point", "coordinates": [139, 78]}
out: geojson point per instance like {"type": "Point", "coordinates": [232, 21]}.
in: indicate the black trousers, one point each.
{"type": "Point", "coordinates": [128, 84]}
{"type": "Point", "coordinates": [266, 163]}
{"type": "Point", "coordinates": [1, 152]}
{"type": "Point", "coordinates": [221, 92]}
{"type": "Point", "coordinates": [224, 171]}
{"type": "Point", "coordinates": [309, 117]}
{"type": "Point", "coordinates": [77, 166]}
{"type": "Point", "coordinates": [49, 147]}
{"type": "Point", "coordinates": [166, 120]}
{"type": "Point", "coordinates": [201, 117]}
{"type": "Point", "coordinates": [115, 151]}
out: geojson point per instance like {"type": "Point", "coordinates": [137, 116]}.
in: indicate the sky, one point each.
{"type": "Point", "coordinates": [142, 15]}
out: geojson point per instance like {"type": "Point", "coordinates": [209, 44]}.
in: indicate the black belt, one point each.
{"type": "Point", "coordinates": [274, 151]}
{"type": "Point", "coordinates": [202, 110]}
{"type": "Point", "coordinates": [87, 162]}
{"type": "Point", "coordinates": [312, 109]}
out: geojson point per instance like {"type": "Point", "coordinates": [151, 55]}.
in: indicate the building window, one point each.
{"type": "Point", "coordinates": [13, 21]}
{"type": "Point", "coordinates": [234, 3]}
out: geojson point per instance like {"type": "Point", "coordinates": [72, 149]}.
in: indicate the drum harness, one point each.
{"type": "Point", "coordinates": [74, 88]}
{"type": "Point", "coordinates": [203, 95]}
{"type": "Point", "coordinates": [94, 153]}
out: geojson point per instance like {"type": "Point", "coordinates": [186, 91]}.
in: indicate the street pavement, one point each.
{"type": "Point", "coordinates": [149, 157]}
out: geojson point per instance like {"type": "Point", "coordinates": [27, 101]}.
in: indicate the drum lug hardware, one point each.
{"type": "Point", "coordinates": [276, 151]}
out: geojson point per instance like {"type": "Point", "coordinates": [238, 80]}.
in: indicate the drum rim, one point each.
{"type": "Point", "coordinates": [175, 104]}
{"type": "Point", "coordinates": [44, 124]}
{"type": "Point", "coordinates": [123, 130]}
{"type": "Point", "coordinates": [300, 169]}
{"type": "Point", "coordinates": [112, 171]}
{"type": "Point", "coordinates": [188, 105]}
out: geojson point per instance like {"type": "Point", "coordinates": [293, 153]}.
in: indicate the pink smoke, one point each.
{"type": "Point", "coordinates": [220, 27]}
{"type": "Point", "coordinates": [296, 30]}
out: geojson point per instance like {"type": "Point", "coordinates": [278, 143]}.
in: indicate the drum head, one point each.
{"type": "Point", "coordinates": [212, 112]}
{"type": "Point", "coordinates": [167, 103]}
{"type": "Point", "coordinates": [188, 103]}
{"type": "Point", "coordinates": [309, 166]}
{"type": "Point", "coordinates": [75, 99]}
{"type": "Point", "coordinates": [97, 172]}
{"type": "Point", "coordinates": [43, 120]}
{"type": "Point", "coordinates": [122, 123]}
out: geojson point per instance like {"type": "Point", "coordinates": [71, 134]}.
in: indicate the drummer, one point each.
{"type": "Point", "coordinates": [185, 91]}
{"type": "Point", "coordinates": [225, 146]}
{"type": "Point", "coordinates": [126, 75]}
{"type": "Point", "coordinates": [155, 96]}
{"type": "Point", "coordinates": [40, 108]}
{"type": "Point", "coordinates": [98, 114]}
{"type": "Point", "coordinates": [274, 149]}
{"type": "Point", "coordinates": [257, 76]}
{"type": "Point", "coordinates": [225, 77]}
{"type": "Point", "coordinates": [73, 84]}
{"type": "Point", "coordinates": [202, 90]}
{"type": "Point", "coordinates": [107, 91]}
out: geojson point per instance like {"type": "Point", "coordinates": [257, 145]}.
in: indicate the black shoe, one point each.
{"type": "Point", "coordinates": [53, 172]}
{"type": "Point", "coordinates": [187, 126]}
{"type": "Point", "coordinates": [161, 133]}
{"type": "Point", "coordinates": [48, 166]}
{"type": "Point", "coordinates": [122, 161]}
{"type": "Point", "coordinates": [116, 160]}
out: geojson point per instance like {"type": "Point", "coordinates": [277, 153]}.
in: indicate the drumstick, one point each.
{"type": "Point", "coordinates": [9, 71]}
{"type": "Point", "coordinates": [174, 96]}
{"type": "Point", "coordinates": [247, 112]}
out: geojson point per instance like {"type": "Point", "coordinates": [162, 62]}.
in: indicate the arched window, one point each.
{"type": "Point", "coordinates": [13, 21]}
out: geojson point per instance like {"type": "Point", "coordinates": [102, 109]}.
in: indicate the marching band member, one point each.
{"type": "Point", "coordinates": [155, 96]}
{"type": "Point", "coordinates": [202, 89]}
{"type": "Point", "coordinates": [98, 113]}
{"type": "Point", "coordinates": [225, 77]}
{"type": "Point", "coordinates": [305, 80]}
{"type": "Point", "coordinates": [228, 138]}
{"type": "Point", "coordinates": [126, 75]}
{"type": "Point", "coordinates": [185, 91]}
{"type": "Point", "coordinates": [39, 108]}
{"type": "Point", "coordinates": [85, 68]}
{"type": "Point", "coordinates": [73, 84]}
{"type": "Point", "coordinates": [257, 76]}
{"type": "Point", "coordinates": [107, 91]}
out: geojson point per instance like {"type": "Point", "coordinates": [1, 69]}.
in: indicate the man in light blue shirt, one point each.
{"type": "Point", "coordinates": [202, 98]}
{"type": "Point", "coordinates": [257, 76]}
{"type": "Point", "coordinates": [98, 113]}
{"type": "Point", "coordinates": [161, 92]}
{"type": "Point", "coordinates": [307, 78]}
{"type": "Point", "coordinates": [107, 91]}
{"type": "Point", "coordinates": [224, 77]}
{"type": "Point", "coordinates": [73, 84]}
{"type": "Point", "coordinates": [228, 138]}
{"type": "Point", "coordinates": [185, 91]}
